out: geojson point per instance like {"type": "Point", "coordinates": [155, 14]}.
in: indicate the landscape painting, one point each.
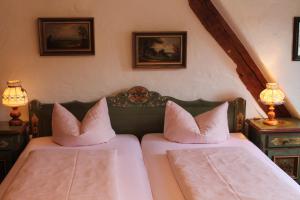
{"type": "Point", "coordinates": [66, 36]}
{"type": "Point", "coordinates": [159, 50]}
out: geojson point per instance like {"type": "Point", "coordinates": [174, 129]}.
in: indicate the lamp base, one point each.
{"type": "Point", "coordinates": [15, 114]}
{"type": "Point", "coordinates": [273, 122]}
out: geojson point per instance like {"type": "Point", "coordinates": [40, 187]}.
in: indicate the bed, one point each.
{"type": "Point", "coordinates": [133, 114]}
{"type": "Point", "coordinates": [163, 177]}
{"type": "Point", "coordinates": [162, 180]}
{"type": "Point", "coordinates": [131, 176]}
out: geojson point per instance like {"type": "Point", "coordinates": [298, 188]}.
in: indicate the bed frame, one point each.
{"type": "Point", "coordinates": [136, 111]}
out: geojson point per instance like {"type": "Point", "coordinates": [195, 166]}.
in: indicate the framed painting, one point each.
{"type": "Point", "coordinates": [296, 40]}
{"type": "Point", "coordinates": [66, 36]}
{"type": "Point", "coordinates": [159, 49]}
{"type": "Point", "coordinates": [289, 164]}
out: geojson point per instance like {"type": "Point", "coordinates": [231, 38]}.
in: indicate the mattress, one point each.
{"type": "Point", "coordinates": [162, 181]}
{"type": "Point", "coordinates": [133, 180]}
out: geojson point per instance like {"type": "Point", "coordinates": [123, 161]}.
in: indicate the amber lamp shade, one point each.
{"type": "Point", "coordinates": [14, 96]}
{"type": "Point", "coordinates": [272, 96]}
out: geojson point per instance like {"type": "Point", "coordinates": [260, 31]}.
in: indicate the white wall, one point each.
{"type": "Point", "coordinates": [266, 28]}
{"type": "Point", "coordinates": [210, 74]}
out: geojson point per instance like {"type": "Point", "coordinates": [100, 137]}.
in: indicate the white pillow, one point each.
{"type": "Point", "coordinates": [95, 127]}
{"type": "Point", "coordinates": [209, 127]}
{"type": "Point", "coordinates": [180, 125]}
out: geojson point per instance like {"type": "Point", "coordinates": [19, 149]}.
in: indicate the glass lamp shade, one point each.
{"type": "Point", "coordinates": [14, 95]}
{"type": "Point", "coordinates": [272, 95]}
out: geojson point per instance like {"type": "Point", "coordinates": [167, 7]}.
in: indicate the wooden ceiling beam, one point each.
{"type": "Point", "coordinates": [247, 69]}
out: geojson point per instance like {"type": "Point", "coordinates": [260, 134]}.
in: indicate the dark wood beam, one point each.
{"type": "Point", "coordinates": [247, 69]}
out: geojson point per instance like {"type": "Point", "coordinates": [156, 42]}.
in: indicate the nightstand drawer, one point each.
{"type": "Point", "coordinates": [9, 143]}
{"type": "Point", "coordinates": [286, 140]}
{"type": "Point", "coordinates": [288, 160]}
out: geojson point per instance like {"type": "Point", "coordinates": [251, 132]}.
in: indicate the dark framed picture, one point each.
{"type": "Point", "coordinates": [66, 36]}
{"type": "Point", "coordinates": [296, 40]}
{"type": "Point", "coordinates": [159, 49]}
{"type": "Point", "coordinates": [289, 164]}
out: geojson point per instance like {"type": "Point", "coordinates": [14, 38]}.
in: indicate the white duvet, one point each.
{"type": "Point", "coordinates": [163, 182]}
{"type": "Point", "coordinates": [130, 170]}
{"type": "Point", "coordinates": [231, 173]}
{"type": "Point", "coordinates": [66, 174]}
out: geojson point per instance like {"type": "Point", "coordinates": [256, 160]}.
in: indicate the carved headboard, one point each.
{"type": "Point", "coordinates": [136, 111]}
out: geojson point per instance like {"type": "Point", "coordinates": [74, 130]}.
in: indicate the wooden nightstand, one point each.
{"type": "Point", "coordinates": [281, 143]}
{"type": "Point", "coordinates": [13, 139]}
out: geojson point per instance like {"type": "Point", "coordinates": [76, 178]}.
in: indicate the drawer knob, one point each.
{"type": "Point", "coordinates": [285, 141]}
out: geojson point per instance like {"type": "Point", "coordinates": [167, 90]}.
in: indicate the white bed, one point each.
{"type": "Point", "coordinates": [133, 180]}
{"type": "Point", "coordinates": [162, 180]}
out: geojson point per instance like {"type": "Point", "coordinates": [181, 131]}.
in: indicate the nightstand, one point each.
{"type": "Point", "coordinates": [281, 143]}
{"type": "Point", "coordinates": [13, 139]}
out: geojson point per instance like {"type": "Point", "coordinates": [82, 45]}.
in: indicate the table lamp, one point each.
{"type": "Point", "coordinates": [271, 96]}
{"type": "Point", "coordinates": [14, 96]}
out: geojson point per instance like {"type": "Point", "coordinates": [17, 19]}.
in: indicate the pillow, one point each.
{"type": "Point", "coordinates": [180, 125]}
{"type": "Point", "coordinates": [95, 127]}
{"type": "Point", "coordinates": [213, 124]}
{"type": "Point", "coordinates": [209, 127]}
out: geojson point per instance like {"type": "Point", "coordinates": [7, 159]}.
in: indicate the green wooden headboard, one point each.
{"type": "Point", "coordinates": [136, 111]}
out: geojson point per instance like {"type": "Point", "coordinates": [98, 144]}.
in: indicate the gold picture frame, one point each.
{"type": "Point", "coordinates": [159, 50]}
{"type": "Point", "coordinates": [66, 36]}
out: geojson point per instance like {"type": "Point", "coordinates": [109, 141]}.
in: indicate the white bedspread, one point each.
{"type": "Point", "coordinates": [66, 174]}
{"type": "Point", "coordinates": [163, 183]}
{"type": "Point", "coordinates": [226, 173]}
{"type": "Point", "coordinates": [131, 173]}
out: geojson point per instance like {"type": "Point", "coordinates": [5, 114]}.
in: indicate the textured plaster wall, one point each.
{"type": "Point", "coordinates": [266, 28]}
{"type": "Point", "coordinates": [210, 74]}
